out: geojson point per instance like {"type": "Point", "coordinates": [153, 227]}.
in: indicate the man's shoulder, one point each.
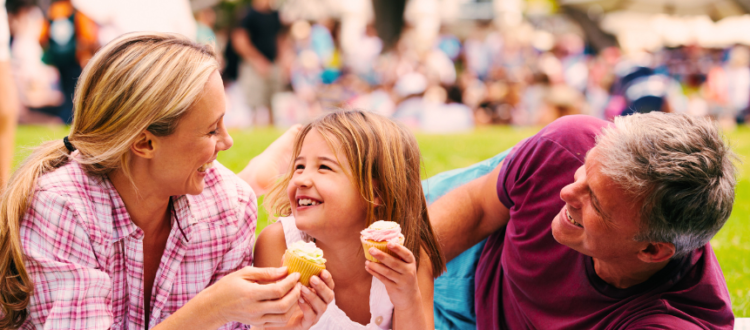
{"type": "Point", "coordinates": [563, 142]}
{"type": "Point", "coordinates": [575, 130]}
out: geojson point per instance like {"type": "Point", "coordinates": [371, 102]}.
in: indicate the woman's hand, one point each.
{"type": "Point", "coordinates": [314, 301]}
{"type": "Point", "coordinates": [256, 296]}
{"type": "Point", "coordinates": [398, 275]}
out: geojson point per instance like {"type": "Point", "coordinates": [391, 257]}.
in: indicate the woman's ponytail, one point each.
{"type": "Point", "coordinates": [15, 284]}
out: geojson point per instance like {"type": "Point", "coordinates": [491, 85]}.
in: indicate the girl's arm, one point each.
{"type": "Point", "coordinates": [426, 287]}
{"type": "Point", "coordinates": [410, 290]}
{"type": "Point", "coordinates": [270, 246]}
{"type": "Point", "coordinates": [268, 253]}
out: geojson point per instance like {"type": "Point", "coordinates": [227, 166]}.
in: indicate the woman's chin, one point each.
{"type": "Point", "coordinates": [196, 189]}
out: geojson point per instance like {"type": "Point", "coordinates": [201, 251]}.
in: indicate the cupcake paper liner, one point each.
{"type": "Point", "coordinates": [298, 265]}
{"type": "Point", "coordinates": [382, 246]}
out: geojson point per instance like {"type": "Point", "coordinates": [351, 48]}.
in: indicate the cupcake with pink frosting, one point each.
{"type": "Point", "coordinates": [378, 235]}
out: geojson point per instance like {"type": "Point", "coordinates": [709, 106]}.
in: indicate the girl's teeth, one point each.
{"type": "Point", "coordinates": [307, 202]}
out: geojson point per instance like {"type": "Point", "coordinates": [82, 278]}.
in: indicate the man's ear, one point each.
{"type": "Point", "coordinates": [656, 252]}
{"type": "Point", "coordinates": [144, 145]}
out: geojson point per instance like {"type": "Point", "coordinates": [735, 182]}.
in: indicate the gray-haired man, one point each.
{"type": "Point", "coordinates": [593, 225]}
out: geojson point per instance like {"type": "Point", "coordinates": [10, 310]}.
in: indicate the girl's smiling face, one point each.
{"type": "Point", "coordinates": [324, 200]}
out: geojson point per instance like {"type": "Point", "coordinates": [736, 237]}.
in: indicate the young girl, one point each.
{"type": "Point", "coordinates": [349, 170]}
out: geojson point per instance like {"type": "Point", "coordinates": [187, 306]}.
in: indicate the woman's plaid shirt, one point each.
{"type": "Point", "coordinates": [85, 255]}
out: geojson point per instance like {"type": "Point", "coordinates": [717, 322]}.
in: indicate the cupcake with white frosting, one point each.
{"type": "Point", "coordinates": [304, 258]}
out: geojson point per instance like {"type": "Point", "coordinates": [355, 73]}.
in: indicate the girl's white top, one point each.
{"type": "Point", "coordinates": [381, 308]}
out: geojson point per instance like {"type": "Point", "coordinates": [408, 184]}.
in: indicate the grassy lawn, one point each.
{"type": "Point", "coordinates": [445, 152]}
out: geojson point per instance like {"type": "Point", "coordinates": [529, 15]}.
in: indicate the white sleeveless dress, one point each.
{"type": "Point", "coordinates": [381, 308]}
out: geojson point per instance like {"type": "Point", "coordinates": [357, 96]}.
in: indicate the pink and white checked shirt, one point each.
{"type": "Point", "coordinates": [85, 255]}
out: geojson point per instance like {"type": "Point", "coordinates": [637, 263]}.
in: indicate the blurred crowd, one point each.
{"type": "Point", "coordinates": [280, 69]}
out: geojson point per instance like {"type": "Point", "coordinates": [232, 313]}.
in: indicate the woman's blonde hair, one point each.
{"type": "Point", "coordinates": [385, 163]}
{"type": "Point", "coordinates": [138, 82]}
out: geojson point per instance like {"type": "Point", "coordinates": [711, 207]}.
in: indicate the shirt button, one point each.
{"type": "Point", "coordinates": [378, 320]}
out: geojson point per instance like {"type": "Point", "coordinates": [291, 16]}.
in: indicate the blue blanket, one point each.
{"type": "Point", "coordinates": [454, 290]}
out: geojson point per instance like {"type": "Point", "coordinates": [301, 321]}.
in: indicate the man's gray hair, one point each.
{"type": "Point", "coordinates": [679, 167]}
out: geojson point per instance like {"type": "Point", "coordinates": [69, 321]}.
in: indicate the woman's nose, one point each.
{"type": "Point", "coordinates": [225, 142]}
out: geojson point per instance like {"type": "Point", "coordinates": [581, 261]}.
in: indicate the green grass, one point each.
{"type": "Point", "coordinates": [445, 152]}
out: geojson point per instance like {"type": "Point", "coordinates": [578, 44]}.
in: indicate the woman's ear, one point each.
{"type": "Point", "coordinates": [144, 145]}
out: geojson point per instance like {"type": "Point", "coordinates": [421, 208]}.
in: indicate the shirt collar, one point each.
{"type": "Point", "coordinates": [184, 218]}
{"type": "Point", "coordinates": [122, 225]}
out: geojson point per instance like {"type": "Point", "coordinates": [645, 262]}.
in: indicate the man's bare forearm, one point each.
{"type": "Point", "coordinates": [468, 214]}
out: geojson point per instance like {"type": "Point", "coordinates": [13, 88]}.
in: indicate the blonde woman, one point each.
{"type": "Point", "coordinates": [129, 222]}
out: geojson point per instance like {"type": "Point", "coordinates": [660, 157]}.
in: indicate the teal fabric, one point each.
{"type": "Point", "coordinates": [454, 290]}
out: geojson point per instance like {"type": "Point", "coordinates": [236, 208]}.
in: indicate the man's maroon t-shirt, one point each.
{"type": "Point", "coordinates": [527, 280]}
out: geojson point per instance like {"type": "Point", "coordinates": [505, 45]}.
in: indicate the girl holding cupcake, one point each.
{"type": "Point", "coordinates": [351, 169]}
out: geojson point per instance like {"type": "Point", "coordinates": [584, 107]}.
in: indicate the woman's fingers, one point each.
{"type": "Point", "coordinates": [279, 289]}
{"type": "Point", "coordinates": [277, 319]}
{"type": "Point", "coordinates": [263, 274]}
{"type": "Point", "coordinates": [284, 304]}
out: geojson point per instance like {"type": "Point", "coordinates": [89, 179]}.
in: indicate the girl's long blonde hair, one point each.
{"type": "Point", "coordinates": [385, 163]}
{"type": "Point", "coordinates": [138, 82]}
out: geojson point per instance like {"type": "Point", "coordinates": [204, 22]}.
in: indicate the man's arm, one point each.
{"type": "Point", "coordinates": [468, 214]}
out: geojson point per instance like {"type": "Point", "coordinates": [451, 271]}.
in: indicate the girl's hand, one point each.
{"type": "Point", "coordinates": [398, 275]}
{"type": "Point", "coordinates": [314, 301]}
